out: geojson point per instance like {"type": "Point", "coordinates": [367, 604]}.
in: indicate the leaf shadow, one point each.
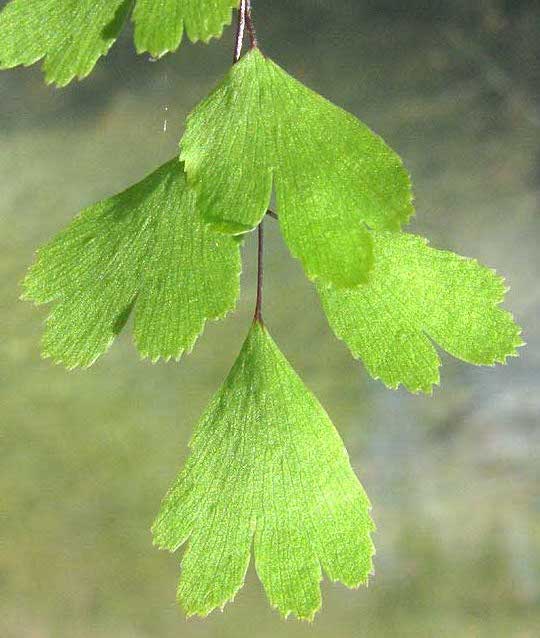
{"type": "Point", "coordinates": [113, 28]}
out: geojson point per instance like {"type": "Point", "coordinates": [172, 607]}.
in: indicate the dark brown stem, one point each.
{"type": "Point", "coordinates": [260, 274]}
{"type": "Point", "coordinates": [240, 28]}
{"type": "Point", "coordinates": [250, 27]}
{"type": "Point", "coordinates": [245, 20]}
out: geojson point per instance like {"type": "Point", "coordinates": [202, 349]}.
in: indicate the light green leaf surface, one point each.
{"type": "Point", "coordinates": [71, 35]}
{"type": "Point", "coordinates": [145, 247]}
{"type": "Point", "coordinates": [267, 469]}
{"type": "Point", "coordinates": [159, 24]}
{"type": "Point", "coordinates": [418, 296]}
{"type": "Point", "coordinates": [261, 128]}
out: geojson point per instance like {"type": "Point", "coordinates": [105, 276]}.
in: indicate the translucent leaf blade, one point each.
{"type": "Point", "coordinates": [266, 466]}
{"type": "Point", "coordinates": [226, 150]}
{"type": "Point", "coordinates": [69, 35]}
{"type": "Point", "coordinates": [147, 248]}
{"type": "Point", "coordinates": [159, 25]}
{"type": "Point", "coordinates": [418, 295]}
{"type": "Point", "coordinates": [331, 174]}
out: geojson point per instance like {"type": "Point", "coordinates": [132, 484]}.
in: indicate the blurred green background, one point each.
{"type": "Point", "coordinates": [86, 456]}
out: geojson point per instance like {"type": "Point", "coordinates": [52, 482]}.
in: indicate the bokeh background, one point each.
{"type": "Point", "coordinates": [86, 456]}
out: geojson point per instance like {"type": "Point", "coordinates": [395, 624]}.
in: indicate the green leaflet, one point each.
{"type": "Point", "coordinates": [417, 295]}
{"type": "Point", "coordinates": [71, 35]}
{"type": "Point", "coordinates": [267, 468]}
{"type": "Point", "coordinates": [262, 128]}
{"type": "Point", "coordinates": [159, 24]}
{"type": "Point", "coordinates": [144, 247]}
